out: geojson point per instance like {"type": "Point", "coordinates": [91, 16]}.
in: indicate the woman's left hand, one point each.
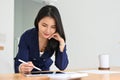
{"type": "Point", "coordinates": [57, 37]}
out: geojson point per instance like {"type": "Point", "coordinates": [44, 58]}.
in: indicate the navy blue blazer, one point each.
{"type": "Point", "coordinates": [29, 51]}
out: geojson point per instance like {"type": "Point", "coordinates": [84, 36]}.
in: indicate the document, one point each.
{"type": "Point", "coordinates": [62, 76]}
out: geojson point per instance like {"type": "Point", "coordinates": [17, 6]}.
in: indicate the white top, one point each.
{"type": "Point", "coordinates": [41, 53]}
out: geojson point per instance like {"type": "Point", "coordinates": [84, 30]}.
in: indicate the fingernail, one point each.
{"type": "Point", "coordinates": [49, 38]}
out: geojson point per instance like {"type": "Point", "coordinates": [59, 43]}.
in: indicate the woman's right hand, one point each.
{"type": "Point", "coordinates": [26, 68]}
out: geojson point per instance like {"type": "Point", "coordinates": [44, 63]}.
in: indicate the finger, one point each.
{"type": "Point", "coordinates": [55, 37]}
{"type": "Point", "coordinates": [26, 72]}
{"type": "Point", "coordinates": [26, 69]}
{"type": "Point", "coordinates": [27, 66]}
{"type": "Point", "coordinates": [30, 63]}
{"type": "Point", "coordinates": [51, 37]}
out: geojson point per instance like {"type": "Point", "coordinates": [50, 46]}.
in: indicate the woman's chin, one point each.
{"type": "Point", "coordinates": [46, 37]}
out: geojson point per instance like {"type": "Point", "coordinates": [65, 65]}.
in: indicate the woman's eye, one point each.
{"type": "Point", "coordinates": [44, 25]}
{"type": "Point", "coordinates": [53, 27]}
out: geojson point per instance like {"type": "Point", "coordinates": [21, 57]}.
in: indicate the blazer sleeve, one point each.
{"type": "Point", "coordinates": [61, 59]}
{"type": "Point", "coordinates": [22, 53]}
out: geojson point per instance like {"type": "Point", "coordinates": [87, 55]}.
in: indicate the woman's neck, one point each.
{"type": "Point", "coordinates": [42, 43]}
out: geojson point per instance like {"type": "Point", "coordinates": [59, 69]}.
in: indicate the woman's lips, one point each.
{"type": "Point", "coordinates": [46, 34]}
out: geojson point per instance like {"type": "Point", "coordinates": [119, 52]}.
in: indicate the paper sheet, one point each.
{"type": "Point", "coordinates": [65, 76]}
{"type": "Point", "coordinates": [100, 71]}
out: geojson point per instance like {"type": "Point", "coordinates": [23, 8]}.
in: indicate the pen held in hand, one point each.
{"type": "Point", "coordinates": [27, 63]}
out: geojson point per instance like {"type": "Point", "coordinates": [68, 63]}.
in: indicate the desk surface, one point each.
{"type": "Point", "coordinates": [115, 76]}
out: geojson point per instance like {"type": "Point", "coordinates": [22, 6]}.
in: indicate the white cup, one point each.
{"type": "Point", "coordinates": [104, 61]}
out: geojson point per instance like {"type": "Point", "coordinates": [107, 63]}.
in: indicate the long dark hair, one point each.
{"type": "Point", "coordinates": [51, 11]}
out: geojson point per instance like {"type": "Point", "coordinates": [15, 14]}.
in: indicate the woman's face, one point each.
{"type": "Point", "coordinates": [47, 27]}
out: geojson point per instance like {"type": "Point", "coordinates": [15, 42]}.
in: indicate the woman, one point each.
{"type": "Point", "coordinates": [37, 45]}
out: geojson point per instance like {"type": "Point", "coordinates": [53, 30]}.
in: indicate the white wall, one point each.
{"type": "Point", "coordinates": [92, 28]}
{"type": "Point", "coordinates": [79, 19]}
{"type": "Point", "coordinates": [7, 28]}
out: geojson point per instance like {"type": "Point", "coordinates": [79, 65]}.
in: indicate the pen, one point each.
{"type": "Point", "coordinates": [27, 63]}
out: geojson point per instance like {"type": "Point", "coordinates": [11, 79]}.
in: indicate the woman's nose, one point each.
{"type": "Point", "coordinates": [48, 30]}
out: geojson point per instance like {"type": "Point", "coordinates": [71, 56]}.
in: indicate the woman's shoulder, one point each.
{"type": "Point", "coordinates": [29, 33]}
